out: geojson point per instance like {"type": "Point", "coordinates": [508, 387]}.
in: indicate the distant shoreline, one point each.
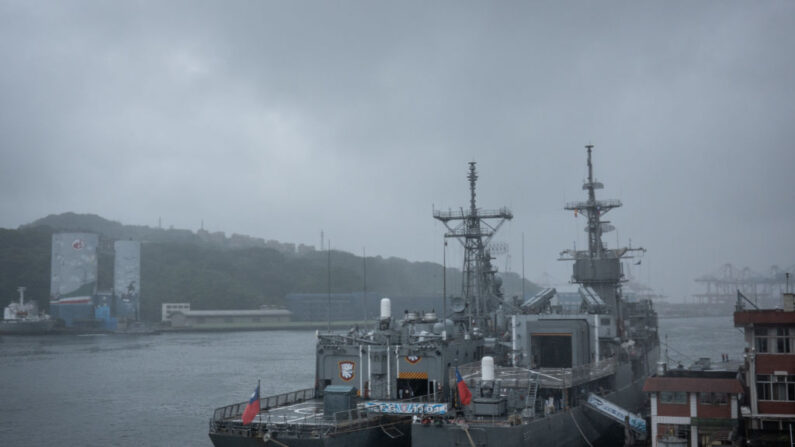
{"type": "Point", "coordinates": [275, 326]}
{"type": "Point", "coordinates": [671, 317]}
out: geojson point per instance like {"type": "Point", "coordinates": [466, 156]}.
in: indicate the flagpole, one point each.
{"type": "Point", "coordinates": [259, 403]}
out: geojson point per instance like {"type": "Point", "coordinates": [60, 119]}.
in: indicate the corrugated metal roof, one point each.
{"type": "Point", "coordinates": [692, 384]}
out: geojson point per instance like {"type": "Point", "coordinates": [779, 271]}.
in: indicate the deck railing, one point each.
{"type": "Point", "coordinates": [547, 377]}
{"type": "Point", "coordinates": [236, 410]}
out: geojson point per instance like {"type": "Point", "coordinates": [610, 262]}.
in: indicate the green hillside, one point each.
{"type": "Point", "coordinates": [214, 272]}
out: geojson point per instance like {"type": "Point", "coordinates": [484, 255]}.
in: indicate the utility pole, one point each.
{"type": "Point", "coordinates": [328, 267]}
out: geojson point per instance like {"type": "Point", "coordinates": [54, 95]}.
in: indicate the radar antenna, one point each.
{"type": "Point", "coordinates": [474, 229]}
{"type": "Point", "coordinates": [598, 268]}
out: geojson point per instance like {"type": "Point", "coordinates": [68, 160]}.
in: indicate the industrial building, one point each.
{"type": "Point", "coordinates": [73, 281]}
{"type": "Point", "coordinates": [74, 298]}
{"type": "Point", "coordinates": [228, 319]}
{"type": "Point", "coordinates": [169, 309]}
{"type": "Point", "coordinates": [127, 279]}
{"type": "Point", "coordinates": [352, 306]}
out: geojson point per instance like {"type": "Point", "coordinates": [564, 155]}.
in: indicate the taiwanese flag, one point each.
{"type": "Point", "coordinates": [252, 409]}
{"type": "Point", "coordinates": [463, 390]}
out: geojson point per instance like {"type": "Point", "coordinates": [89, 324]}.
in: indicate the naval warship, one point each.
{"type": "Point", "coordinates": [568, 373]}
{"type": "Point", "coordinates": [371, 382]}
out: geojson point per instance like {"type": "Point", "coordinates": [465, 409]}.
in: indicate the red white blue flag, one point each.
{"type": "Point", "coordinates": [252, 409]}
{"type": "Point", "coordinates": [463, 390]}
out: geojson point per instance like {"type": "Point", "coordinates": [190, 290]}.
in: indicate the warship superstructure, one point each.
{"type": "Point", "coordinates": [371, 382]}
{"type": "Point", "coordinates": [566, 376]}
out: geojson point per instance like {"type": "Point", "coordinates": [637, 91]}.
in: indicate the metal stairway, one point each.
{"type": "Point", "coordinates": [392, 431]}
{"type": "Point", "coordinates": [532, 395]}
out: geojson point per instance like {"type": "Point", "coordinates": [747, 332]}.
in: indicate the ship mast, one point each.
{"type": "Point", "coordinates": [598, 267]}
{"type": "Point", "coordinates": [474, 229]}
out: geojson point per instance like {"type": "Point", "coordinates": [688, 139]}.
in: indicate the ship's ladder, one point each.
{"type": "Point", "coordinates": [532, 395]}
{"type": "Point", "coordinates": [391, 431]}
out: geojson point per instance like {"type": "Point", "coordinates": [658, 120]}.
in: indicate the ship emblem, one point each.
{"type": "Point", "coordinates": [347, 370]}
{"type": "Point", "coordinates": [413, 359]}
{"type": "Point", "coordinates": [77, 244]}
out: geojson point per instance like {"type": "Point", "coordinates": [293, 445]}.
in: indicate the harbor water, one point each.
{"type": "Point", "coordinates": [160, 390]}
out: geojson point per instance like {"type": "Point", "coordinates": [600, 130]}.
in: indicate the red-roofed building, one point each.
{"type": "Point", "coordinates": [769, 368]}
{"type": "Point", "coordinates": [693, 407]}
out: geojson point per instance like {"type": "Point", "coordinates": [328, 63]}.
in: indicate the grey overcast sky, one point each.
{"type": "Point", "coordinates": [279, 119]}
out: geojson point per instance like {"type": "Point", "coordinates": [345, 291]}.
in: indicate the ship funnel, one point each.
{"type": "Point", "coordinates": [487, 369]}
{"type": "Point", "coordinates": [386, 308]}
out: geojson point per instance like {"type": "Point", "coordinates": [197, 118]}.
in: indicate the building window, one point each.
{"type": "Point", "coordinates": [773, 340]}
{"type": "Point", "coordinates": [782, 340]}
{"type": "Point", "coordinates": [772, 387]}
{"type": "Point", "coordinates": [760, 334]}
{"type": "Point", "coordinates": [673, 397]}
{"type": "Point", "coordinates": [712, 398]}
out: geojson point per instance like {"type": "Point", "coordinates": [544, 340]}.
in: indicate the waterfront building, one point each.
{"type": "Point", "coordinates": [73, 280]}
{"type": "Point", "coordinates": [769, 370]}
{"type": "Point", "coordinates": [694, 408]}
{"type": "Point", "coordinates": [168, 309]}
{"type": "Point", "coordinates": [351, 306]}
{"type": "Point", "coordinates": [228, 319]}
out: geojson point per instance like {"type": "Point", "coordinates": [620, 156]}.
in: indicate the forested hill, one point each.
{"type": "Point", "coordinates": [212, 271]}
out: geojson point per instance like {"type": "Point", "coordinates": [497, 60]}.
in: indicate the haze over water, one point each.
{"type": "Point", "coordinates": [162, 389]}
{"type": "Point", "coordinates": [281, 119]}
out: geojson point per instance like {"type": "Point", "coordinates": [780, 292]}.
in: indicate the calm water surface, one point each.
{"type": "Point", "coordinates": [161, 389]}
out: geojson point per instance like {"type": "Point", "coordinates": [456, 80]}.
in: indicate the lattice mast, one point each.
{"type": "Point", "coordinates": [474, 229]}
{"type": "Point", "coordinates": [597, 267]}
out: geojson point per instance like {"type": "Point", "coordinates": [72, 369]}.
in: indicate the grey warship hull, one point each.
{"type": "Point", "coordinates": [298, 419]}
{"type": "Point", "coordinates": [577, 426]}
{"type": "Point", "coordinates": [572, 372]}
{"type": "Point", "coordinates": [339, 413]}
{"type": "Point", "coordinates": [297, 431]}
{"type": "Point", "coordinates": [370, 382]}
{"type": "Point", "coordinates": [370, 436]}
